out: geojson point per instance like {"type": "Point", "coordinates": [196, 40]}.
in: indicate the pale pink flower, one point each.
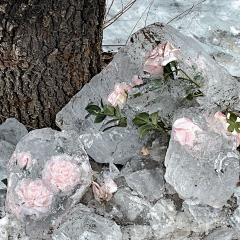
{"type": "Point", "coordinates": [136, 81]}
{"type": "Point", "coordinates": [105, 191]}
{"type": "Point", "coordinates": [185, 131]}
{"type": "Point", "coordinates": [23, 159]}
{"type": "Point", "coordinates": [118, 95]}
{"type": "Point", "coordinates": [160, 56]}
{"type": "Point", "coordinates": [62, 173]}
{"type": "Point", "coordinates": [33, 195]}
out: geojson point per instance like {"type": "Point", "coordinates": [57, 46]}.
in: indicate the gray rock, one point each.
{"type": "Point", "coordinates": [122, 143]}
{"type": "Point", "coordinates": [209, 170]}
{"type": "Point", "coordinates": [137, 232]}
{"type": "Point", "coordinates": [81, 224]}
{"type": "Point", "coordinates": [149, 183]}
{"type": "Point", "coordinates": [223, 233]}
{"type": "Point", "coordinates": [6, 151]}
{"type": "Point", "coordinates": [12, 131]}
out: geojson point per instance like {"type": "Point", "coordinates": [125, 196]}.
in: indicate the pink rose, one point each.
{"type": "Point", "coordinates": [185, 131]}
{"type": "Point", "coordinates": [136, 81]}
{"type": "Point", "coordinates": [105, 190]}
{"type": "Point", "coordinates": [23, 159]}
{"type": "Point", "coordinates": [62, 173]}
{"type": "Point", "coordinates": [160, 56]}
{"type": "Point", "coordinates": [118, 95]}
{"type": "Point", "coordinates": [33, 195]}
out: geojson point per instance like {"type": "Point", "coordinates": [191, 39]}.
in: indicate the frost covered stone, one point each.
{"type": "Point", "coordinates": [6, 151]}
{"type": "Point", "coordinates": [47, 173]}
{"type": "Point", "coordinates": [208, 170]}
{"type": "Point", "coordinates": [12, 131]}
{"type": "Point", "coordinates": [80, 223]}
{"type": "Point", "coordinates": [122, 143]}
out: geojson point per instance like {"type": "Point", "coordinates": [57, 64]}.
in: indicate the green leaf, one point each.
{"type": "Point", "coordinates": [122, 122]}
{"type": "Point", "coordinates": [190, 97]}
{"type": "Point", "coordinates": [104, 130]}
{"type": "Point", "coordinates": [237, 125]}
{"type": "Point", "coordinates": [5, 181]}
{"type": "Point", "coordinates": [93, 109]}
{"type": "Point", "coordinates": [161, 124]}
{"type": "Point", "coordinates": [173, 64]}
{"type": "Point", "coordinates": [233, 117]}
{"type": "Point", "coordinates": [113, 120]}
{"type": "Point", "coordinates": [167, 69]}
{"type": "Point", "coordinates": [237, 129]}
{"type": "Point", "coordinates": [108, 110]}
{"type": "Point", "coordinates": [231, 128]}
{"type": "Point", "coordinates": [141, 119]}
{"type": "Point", "coordinates": [144, 130]}
{"type": "Point", "coordinates": [137, 95]}
{"type": "Point", "coordinates": [99, 118]}
{"type": "Point", "coordinates": [117, 112]}
{"type": "Point", "coordinates": [154, 118]}
{"type": "Point", "coordinates": [126, 91]}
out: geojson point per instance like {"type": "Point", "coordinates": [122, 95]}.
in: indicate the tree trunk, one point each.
{"type": "Point", "coordinates": [48, 50]}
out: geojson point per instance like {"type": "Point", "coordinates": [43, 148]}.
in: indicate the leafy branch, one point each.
{"type": "Point", "coordinates": [232, 120]}
{"type": "Point", "coordinates": [107, 110]}
{"type": "Point", "coordinates": [148, 124]}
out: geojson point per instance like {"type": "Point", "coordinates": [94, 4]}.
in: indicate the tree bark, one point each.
{"type": "Point", "coordinates": [48, 50]}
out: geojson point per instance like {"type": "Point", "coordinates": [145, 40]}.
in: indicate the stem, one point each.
{"type": "Point", "coordinates": [188, 78]}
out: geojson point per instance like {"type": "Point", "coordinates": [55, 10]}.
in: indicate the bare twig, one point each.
{"type": "Point", "coordinates": [118, 15]}
{"type": "Point", "coordinates": [139, 20]}
{"type": "Point", "coordinates": [188, 10]}
{"type": "Point", "coordinates": [105, 17]}
{"type": "Point", "coordinates": [148, 12]}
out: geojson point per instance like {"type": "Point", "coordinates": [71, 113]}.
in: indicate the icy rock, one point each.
{"type": "Point", "coordinates": [3, 193]}
{"type": "Point", "coordinates": [122, 143]}
{"type": "Point", "coordinates": [12, 131]}
{"type": "Point", "coordinates": [149, 183]}
{"type": "Point", "coordinates": [10, 228]}
{"type": "Point", "coordinates": [81, 224]}
{"type": "Point", "coordinates": [209, 170]}
{"type": "Point", "coordinates": [6, 151]}
{"type": "Point", "coordinates": [137, 232]}
{"type": "Point", "coordinates": [203, 214]}
{"type": "Point", "coordinates": [47, 174]}
{"type": "Point", "coordinates": [223, 233]}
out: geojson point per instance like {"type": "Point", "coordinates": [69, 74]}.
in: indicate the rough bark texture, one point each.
{"type": "Point", "coordinates": [48, 50]}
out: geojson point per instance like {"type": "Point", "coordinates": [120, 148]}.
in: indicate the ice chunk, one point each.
{"type": "Point", "coordinates": [209, 170]}
{"type": "Point", "coordinates": [137, 232]}
{"type": "Point", "coordinates": [47, 174]}
{"type": "Point", "coordinates": [12, 131]}
{"type": "Point", "coordinates": [149, 183]}
{"type": "Point", "coordinates": [81, 224]}
{"type": "Point", "coordinates": [101, 146]}
{"type": "Point", "coordinates": [6, 151]}
{"type": "Point", "coordinates": [223, 233]}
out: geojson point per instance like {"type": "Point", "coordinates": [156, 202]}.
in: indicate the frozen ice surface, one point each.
{"type": "Point", "coordinates": [223, 233]}
{"type": "Point", "coordinates": [209, 170]}
{"type": "Point", "coordinates": [10, 228]}
{"type": "Point", "coordinates": [122, 143]}
{"type": "Point", "coordinates": [203, 214]}
{"type": "Point", "coordinates": [12, 131]}
{"type": "Point", "coordinates": [81, 224]}
{"type": "Point", "coordinates": [3, 193]}
{"type": "Point", "coordinates": [6, 151]}
{"type": "Point", "coordinates": [137, 232]}
{"type": "Point", "coordinates": [149, 183]}
{"type": "Point", "coordinates": [214, 24]}
{"type": "Point", "coordinates": [47, 174]}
